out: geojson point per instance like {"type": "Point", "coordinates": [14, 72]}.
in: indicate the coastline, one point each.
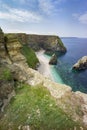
{"type": "Point", "coordinates": [44, 67]}
{"type": "Point", "coordinates": [49, 71]}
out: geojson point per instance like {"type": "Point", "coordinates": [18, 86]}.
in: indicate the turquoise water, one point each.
{"type": "Point", "coordinates": [62, 72]}
{"type": "Point", "coordinates": [55, 75]}
{"type": "Point", "coordinates": [76, 48]}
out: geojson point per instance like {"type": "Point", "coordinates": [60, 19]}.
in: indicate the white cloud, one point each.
{"type": "Point", "coordinates": [46, 6]}
{"type": "Point", "coordinates": [13, 14]}
{"type": "Point", "coordinates": [82, 18]}
{"type": "Point", "coordinates": [49, 6]}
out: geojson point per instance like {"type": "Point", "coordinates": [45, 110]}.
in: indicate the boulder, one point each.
{"type": "Point", "coordinates": [53, 60]}
{"type": "Point", "coordinates": [81, 64]}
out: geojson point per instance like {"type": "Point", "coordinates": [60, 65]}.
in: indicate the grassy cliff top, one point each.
{"type": "Point", "coordinates": [34, 107]}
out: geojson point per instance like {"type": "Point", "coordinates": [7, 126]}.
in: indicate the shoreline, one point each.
{"type": "Point", "coordinates": [47, 70]}
{"type": "Point", "coordinates": [44, 67]}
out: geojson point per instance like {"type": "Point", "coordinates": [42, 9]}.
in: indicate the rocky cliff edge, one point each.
{"type": "Point", "coordinates": [73, 103]}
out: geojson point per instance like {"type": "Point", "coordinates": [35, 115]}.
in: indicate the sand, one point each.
{"type": "Point", "coordinates": [44, 67]}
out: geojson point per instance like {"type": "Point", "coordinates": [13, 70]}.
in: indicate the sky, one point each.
{"type": "Point", "coordinates": [65, 18]}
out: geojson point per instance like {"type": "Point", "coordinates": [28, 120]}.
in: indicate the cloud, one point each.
{"type": "Point", "coordinates": [19, 15]}
{"type": "Point", "coordinates": [82, 18]}
{"type": "Point", "coordinates": [46, 6]}
{"type": "Point", "coordinates": [49, 6]}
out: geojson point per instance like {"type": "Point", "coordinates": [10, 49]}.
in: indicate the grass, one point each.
{"type": "Point", "coordinates": [32, 60]}
{"type": "Point", "coordinates": [5, 74]}
{"type": "Point", "coordinates": [11, 37]}
{"type": "Point", "coordinates": [29, 54]}
{"type": "Point", "coordinates": [35, 107]}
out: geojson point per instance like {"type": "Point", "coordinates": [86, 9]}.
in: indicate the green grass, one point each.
{"type": "Point", "coordinates": [35, 107]}
{"type": "Point", "coordinates": [32, 60]}
{"type": "Point", "coordinates": [5, 74]}
{"type": "Point", "coordinates": [11, 37]}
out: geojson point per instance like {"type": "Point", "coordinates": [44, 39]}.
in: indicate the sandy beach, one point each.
{"type": "Point", "coordinates": [44, 67]}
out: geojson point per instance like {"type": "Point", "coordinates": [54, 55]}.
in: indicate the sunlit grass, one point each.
{"type": "Point", "coordinates": [32, 60]}
{"type": "Point", "coordinates": [35, 107]}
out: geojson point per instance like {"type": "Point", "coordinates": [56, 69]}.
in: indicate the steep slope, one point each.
{"type": "Point", "coordinates": [10, 52]}
{"type": "Point", "coordinates": [74, 104]}
{"type": "Point", "coordinates": [17, 49]}
{"type": "Point", "coordinates": [33, 108]}
{"type": "Point", "coordinates": [49, 43]}
{"type": "Point", "coordinates": [38, 104]}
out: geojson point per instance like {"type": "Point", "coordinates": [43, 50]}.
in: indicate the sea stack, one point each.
{"type": "Point", "coordinates": [81, 64]}
{"type": "Point", "coordinates": [53, 60]}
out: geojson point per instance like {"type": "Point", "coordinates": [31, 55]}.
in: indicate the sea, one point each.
{"type": "Point", "coordinates": [63, 73]}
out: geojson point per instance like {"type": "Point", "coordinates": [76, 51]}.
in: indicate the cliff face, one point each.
{"type": "Point", "coordinates": [10, 53]}
{"type": "Point", "coordinates": [2, 49]}
{"type": "Point", "coordinates": [49, 43]}
{"type": "Point", "coordinates": [74, 104]}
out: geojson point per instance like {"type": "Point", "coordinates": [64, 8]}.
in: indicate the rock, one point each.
{"type": "Point", "coordinates": [1, 103]}
{"type": "Point", "coordinates": [53, 60]}
{"type": "Point", "coordinates": [81, 64]}
{"type": "Point", "coordinates": [27, 127]}
{"type": "Point", "coordinates": [73, 104]}
{"type": "Point", "coordinates": [50, 43]}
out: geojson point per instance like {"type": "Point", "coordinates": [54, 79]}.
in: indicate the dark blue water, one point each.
{"type": "Point", "coordinates": [76, 48]}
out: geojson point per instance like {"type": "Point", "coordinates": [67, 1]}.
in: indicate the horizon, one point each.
{"type": "Point", "coordinates": [62, 18]}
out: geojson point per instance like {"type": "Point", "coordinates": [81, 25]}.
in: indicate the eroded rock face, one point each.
{"type": "Point", "coordinates": [49, 43]}
{"type": "Point", "coordinates": [9, 53]}
{"type": "Point", "coordinates": [6, 87]}
{"type": "Point", "coordinates": [81, 64]}
{"type": "Point", "coordinates": [53, 60]}
{"type": "Point", "coordinates": [74, 104]}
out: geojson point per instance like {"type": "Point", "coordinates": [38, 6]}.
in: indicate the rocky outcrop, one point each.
{"type": "Point", "coordinates": [53, 60]}
{"type": "Point", "coordinates": [9, 53]}
{"type": "Point", "coordinates": [6, 86]}
{"type": "Point", "coordinates": [2, 48]}
{"type": "Point", "coordinates": [72, 103]}
{"type": "Point", "coordinates": [81, 64]}
{"type": "Point", "coordinates": [46, 42]}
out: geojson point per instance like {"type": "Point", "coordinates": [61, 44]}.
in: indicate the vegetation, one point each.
{"type": "Point", "coordinates": [5, 74]}
{"type": "Point", "coordinates": [35, 107]}
{"type": "Point", "coordinates": [1, 36]}
{"type": "Point", "coordinates": [32, 60]}
{"type": "Point", "coordinates": [29, 54]}
{"type": "Point", "coordinates": [11, 37]}
{"type": "Point", "coordinates": [60, 42]}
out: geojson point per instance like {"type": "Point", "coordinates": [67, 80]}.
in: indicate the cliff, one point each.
{"type": "Point", "coordinates": [17, 49]}
{"type": "Point", "coordinates": [11, 51]}
{"type": "Point", "coordinates": [39, 103]}
{"type": "Point", "coordinates": [49, 43]}
{"type": "Point", "coordinates": [73, 104]}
